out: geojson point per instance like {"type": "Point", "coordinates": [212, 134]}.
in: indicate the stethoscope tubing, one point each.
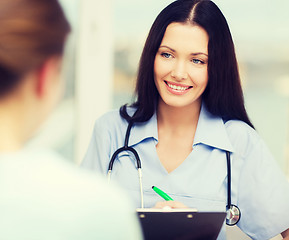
{"type": "Point", "coordinates": [233, 212]}
{"type": "Point", "coordinates": [229, 179]}
{"type": "Point", "coordinates": [138, 162]}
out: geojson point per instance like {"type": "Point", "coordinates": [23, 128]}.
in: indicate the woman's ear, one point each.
{"type": "Point", "coordinates": [47, 75]}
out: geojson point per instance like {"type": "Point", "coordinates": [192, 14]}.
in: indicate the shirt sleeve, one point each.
{"type": "Point", "coordinates": [263, 195]}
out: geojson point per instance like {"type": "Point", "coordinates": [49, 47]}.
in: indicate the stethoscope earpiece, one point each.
{"type": "Point", "coordinates": [233, 215]}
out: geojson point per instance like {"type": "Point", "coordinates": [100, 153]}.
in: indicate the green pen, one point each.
{"type": "Point", "coordinates": [162, 194]}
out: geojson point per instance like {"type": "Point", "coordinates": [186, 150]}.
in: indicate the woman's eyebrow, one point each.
{"type": "Point", "coordinates": [164, 46]}
{"type": "Point", "coordinates": [199, 53]}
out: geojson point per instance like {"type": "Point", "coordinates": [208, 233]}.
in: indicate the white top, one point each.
{"type": "Point", "coordinates": [259, 188]}
{"type": "Point", "coordinates": [44, 197]}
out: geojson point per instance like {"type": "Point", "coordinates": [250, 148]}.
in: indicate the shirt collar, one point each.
{"type": "Point", "coordinates": [142, 131]}
{"type": "Point", "coordinates": [210, 131]}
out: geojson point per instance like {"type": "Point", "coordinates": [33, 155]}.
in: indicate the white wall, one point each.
{"type": "Point", "coordinates": [94, 72]}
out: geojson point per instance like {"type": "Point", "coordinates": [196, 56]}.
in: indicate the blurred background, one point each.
{"type": "Point", "coordinates": [102, 57]}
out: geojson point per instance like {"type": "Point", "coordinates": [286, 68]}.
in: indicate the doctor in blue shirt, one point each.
{"type": "Point", "coordinates": [188, 113]}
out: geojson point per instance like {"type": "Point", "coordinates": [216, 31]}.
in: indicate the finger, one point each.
{"type": "Point", "coordinates": [172, 204]}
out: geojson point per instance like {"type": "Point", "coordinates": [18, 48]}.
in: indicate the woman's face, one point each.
{"type": "Point", "coordinates": [181, 65]}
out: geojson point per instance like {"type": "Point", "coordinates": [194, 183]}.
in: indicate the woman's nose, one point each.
{"type": "Point", "coordinates": [179, 71]}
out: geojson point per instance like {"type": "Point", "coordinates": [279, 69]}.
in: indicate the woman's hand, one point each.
{"type": "Point", "coordinates": [171, 204]}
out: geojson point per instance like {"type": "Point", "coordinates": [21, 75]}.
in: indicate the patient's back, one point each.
{"type": "Point", "coordinates": [43, 196]}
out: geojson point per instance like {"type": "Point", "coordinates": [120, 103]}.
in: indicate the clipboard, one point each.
{"type": "Point", "coordinates": [180, 224]}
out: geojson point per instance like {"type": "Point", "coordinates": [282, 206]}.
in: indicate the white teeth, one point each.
{"type": "Point", "coordinates": [179, 88]}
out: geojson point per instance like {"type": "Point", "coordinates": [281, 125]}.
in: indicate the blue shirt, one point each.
{"type": "Point", "coordinates": [259, 187]}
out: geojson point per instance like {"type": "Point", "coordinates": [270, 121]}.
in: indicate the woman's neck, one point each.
{"type": "Point", "coordinates": [11, 128]}
{"type": "Point", "coordinates": [178, 117]}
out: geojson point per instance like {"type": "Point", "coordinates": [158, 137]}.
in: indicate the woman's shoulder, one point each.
{"type": "Point", "coordinates": [240, 128]}
{"type": "Point", "coordinates": [109, 116]}
{"type": "Point", "coordinates": [112, 121]}
{"type": "Point", "coordinates": [113, 116]}
{"type": "Point", "coordinates": [242, 136]}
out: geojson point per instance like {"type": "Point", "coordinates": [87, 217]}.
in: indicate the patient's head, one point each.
{"type": "Point", "coordinates": [32, 39]}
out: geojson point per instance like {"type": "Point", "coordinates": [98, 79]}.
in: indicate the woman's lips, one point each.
{"type": "Point", "coordinates": [176, 88]}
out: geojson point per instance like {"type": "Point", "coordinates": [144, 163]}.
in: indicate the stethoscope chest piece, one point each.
{"type": "Point", "coordinates": [233, 215]}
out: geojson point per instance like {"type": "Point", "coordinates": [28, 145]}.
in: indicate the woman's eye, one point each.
{"type": "Point", "coordinates": [198, 61]}
{"type": "Point", "coordinates": [166, 55]}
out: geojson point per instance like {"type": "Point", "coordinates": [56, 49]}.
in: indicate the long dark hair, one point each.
{"type": "Point", "coordinates": [223, 96]}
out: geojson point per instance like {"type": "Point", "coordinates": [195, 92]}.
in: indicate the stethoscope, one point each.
{"type": "Point", "coordinates": [233, 212]}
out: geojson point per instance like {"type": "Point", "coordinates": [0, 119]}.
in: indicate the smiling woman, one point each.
{"type": "Point", "coordinates": [189, 122]}
{"type": "Point", "coordinates": [263, 69]}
